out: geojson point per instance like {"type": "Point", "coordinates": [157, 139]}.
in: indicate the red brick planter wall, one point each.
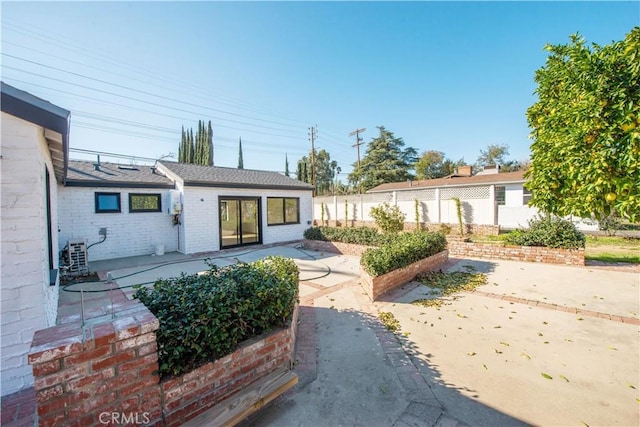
{"type": "Point", "coordinates": [462, 249]}
{"type": "Point", "coordinates": [106, 372]}
{"type": "Point", "coordinates": [379, 285]}
{"type": "Point", "coordinates": [191, 394]}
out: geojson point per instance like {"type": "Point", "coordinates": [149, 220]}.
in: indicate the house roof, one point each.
{"type": "Point", "coordinates": [53, 119]}
{"type": "Point", "coordinates": [452, 181]}
{"type": "Point", "coordinates": [215, 176]}
{"type": "Point", "coordinates": [89, 174]}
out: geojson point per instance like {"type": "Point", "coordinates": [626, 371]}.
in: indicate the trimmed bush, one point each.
{"type": "Point", "coordinates": [389, 219]}
{"type": "Point", "coordinates": [366, 236]}
{"type": "Point", "coordinates": [205, 317]}
{"type": "Point", "coordinates": [550, 232]}
{"type": "Point", "coordinates": [403, 250]}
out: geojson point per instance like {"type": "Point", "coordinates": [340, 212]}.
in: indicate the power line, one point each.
{"type": "Point", "coordinates": [174, 81]}
{"type": "Point", "coordinates": [358, 143]}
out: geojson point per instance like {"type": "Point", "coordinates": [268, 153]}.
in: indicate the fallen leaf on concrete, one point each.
{"type": "Point", "coordinates": [485, 367]}
{"type": "Point", "coordinates": [462, 316]}
{"type": "Point", "coordinates": [580, 318]}
{"type": "Point", "coordinates": [547, 376]}
{"type": "Point", "coordinates": [631, 386]}
{"type": "Point", "coordinates": [564, 378]}
{"type": "Point", "coordinates": [506, 344]}
{"type": "Point", "coordinates": [612, 348]}
{"type": "Point", "coordinates": [523, 354]}
{"type": "Point", "coordinates": [473, 353]}
{"type": "Point", "coordinates": [540, 334]}
{"type": "Point", "coordinates": [497, 351]}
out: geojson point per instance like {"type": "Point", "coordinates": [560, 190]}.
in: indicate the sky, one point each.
{"type": "Point", "coordinates": [448, 76]}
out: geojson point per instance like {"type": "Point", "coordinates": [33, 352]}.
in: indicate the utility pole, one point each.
{"type": "Point", "coordinates": [358, 143]}
{"type": "Point", "coordinates": [313, 133]}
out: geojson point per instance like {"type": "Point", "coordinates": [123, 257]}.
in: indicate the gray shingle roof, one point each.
{"type": "Point", "coordinates": [84, 173]}
{"type": "Point", "coordinates": [215, 176]}
{"type": "Point", "coordinates": [498, 178]}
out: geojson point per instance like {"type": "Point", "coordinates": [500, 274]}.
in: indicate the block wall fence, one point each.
{"type": "Point", "coordinates": [105, 372]}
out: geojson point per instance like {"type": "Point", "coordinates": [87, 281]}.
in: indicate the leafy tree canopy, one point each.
{"type": "Point", "coordinates": [324, 169]}
{"type": "Point", "coordinates": [586, 130]}
{"type": "Point", "coordinates": [434, 164]}
{"type": "Point", "coordinates": [386, 160]}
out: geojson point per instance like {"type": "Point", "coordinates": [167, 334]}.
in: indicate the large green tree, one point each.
{"type": "Point", "coordinates": [386, 160]}
{"type": "Point", "coordinates": [198, 149]}
{"type": "Point", "coordinates": [433, 164]}
{"type": "Point", "coordinates": [324, 170]}
{"type": "Point", "coordinates": [585, 156]}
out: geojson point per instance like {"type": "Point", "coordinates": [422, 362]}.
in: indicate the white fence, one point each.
{"type": "Point", "coordinates": [434, 205]}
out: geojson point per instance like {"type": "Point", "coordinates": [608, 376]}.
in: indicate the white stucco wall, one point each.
{"type": "Point", "coordinates": [28, 302]}
{"type": "Point", "coordinates": [201, 216]}
{"type": "Point", "coordinates": [128, 233]}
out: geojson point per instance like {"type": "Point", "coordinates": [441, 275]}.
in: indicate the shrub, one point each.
{"type": "Point", "coordinates": [205, 317]}
{"type": "Point", "coordinates": [610, 225]}
{"type": "Point", "coordinates": [389, 219]}
{"type": "Point", "coordinates": [366, 236]}
{"type": "Point", "coordinates": [402, 250]}
{"type": "Point", "coordinates": [548, 231]}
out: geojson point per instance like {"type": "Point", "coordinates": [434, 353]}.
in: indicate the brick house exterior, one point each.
{"type": "Point", "coordinates": [34, 159]}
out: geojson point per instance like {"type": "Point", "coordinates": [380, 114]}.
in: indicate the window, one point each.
{"type": "Point", "coordinates": [107, 202]}
{"type": "Point", "coordinates": [526, 196]}
{"type": "Point", "coordinates": [282, 210]}
{"type": "Point", "coordinates": [144, 203]}
{"type": "Point", "coordinates": [500, 195]}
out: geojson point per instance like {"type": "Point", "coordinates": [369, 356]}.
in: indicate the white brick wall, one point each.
{"type": "Point", "coordinates": [201, 216]}
{"type": "Point", "coordinates": [27, 302]}
{"type": "Point", "coordinates": [128, 234]}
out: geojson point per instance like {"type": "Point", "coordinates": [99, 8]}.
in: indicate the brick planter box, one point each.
{"type": "Point", "coordinates": [375, 286]}
{"type": "Point", "coordinates": [335, 247]}
{"type": "Point", "coordinates": [461, 249]}
{"type": "Point", "coordinates": [106, 372]}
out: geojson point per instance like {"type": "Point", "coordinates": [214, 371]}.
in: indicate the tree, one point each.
{"type": "Point", "coordinates": [198, 150]}
{"type": "Point", "coordinates": [240, 160]}
{"type": "Point", "coordinates": [286, 165]}
{"type": "Point", "coordinates": [324, 170]}
{"type": "Point", "coordinates": [585, 128]}
{"type": "Point", "coordinates": [384, 161]}
{"type": "Point", "coordinates": [493, 155]}
{"type": "Point", "coordinates": [433, 164]}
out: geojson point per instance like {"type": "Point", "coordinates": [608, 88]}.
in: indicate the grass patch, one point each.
{"type": "Point", "coordinates": [449, 284]}
{"type": "Point", "coordinates": [613, 249]}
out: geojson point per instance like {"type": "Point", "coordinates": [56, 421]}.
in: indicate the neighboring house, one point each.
{"type": "Point", "coordinates": [182, 207]}
{"type": "Point", "coordinates": [34, 143]}
{"type": "Point", "coordinates": [489, 198]}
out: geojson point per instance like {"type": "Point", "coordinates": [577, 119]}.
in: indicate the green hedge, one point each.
{"type": "Point", "coordinates": [366, 236]}
{"type": "Point", "coordinates": [205, 317]}
{"type": "Point", "coordinates": [404, 249]}
{"type": "Point", "coordinates": [550, 232]}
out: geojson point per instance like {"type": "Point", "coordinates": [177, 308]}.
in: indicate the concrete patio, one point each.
{"type": "Point", "coordinates": [479, 360]}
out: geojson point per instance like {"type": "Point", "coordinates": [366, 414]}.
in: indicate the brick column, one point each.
{"type": "Point", "coordinates": [102, 373]}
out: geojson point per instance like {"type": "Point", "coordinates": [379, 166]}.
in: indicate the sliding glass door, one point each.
{"type": "Point", "coordinates": [239, 221]}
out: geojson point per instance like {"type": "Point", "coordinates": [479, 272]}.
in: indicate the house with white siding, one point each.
{"type": "Point", "coordinates": [33, 161]}
{"type": "Point", "coordinates": [128, 210]}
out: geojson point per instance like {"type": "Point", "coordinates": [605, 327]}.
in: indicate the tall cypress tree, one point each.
{"type": "Point", "coordinates": [286, 165]}
{"type": "Point", "coordinates": [210, 144]}
{"type": "Point", "coordinates": [240, 159]}
{"type": "Point", "coordinates": [198, 149]}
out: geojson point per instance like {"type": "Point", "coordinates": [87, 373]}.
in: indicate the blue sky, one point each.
{"type": "Point", "coordinates": [448, 76]}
